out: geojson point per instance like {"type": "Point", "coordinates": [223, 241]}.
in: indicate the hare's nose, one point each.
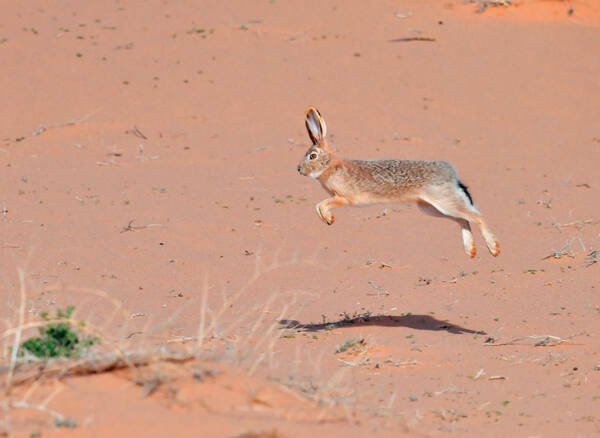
{"type": "Point", "coordinates": [299, 169]}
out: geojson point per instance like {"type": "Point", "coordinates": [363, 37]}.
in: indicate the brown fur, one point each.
{"type": "Point", "coordinates": [360, 182]}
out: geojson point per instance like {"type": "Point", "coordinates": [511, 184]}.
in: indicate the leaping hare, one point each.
{"type": "Point", "coordinates": [360, 182]}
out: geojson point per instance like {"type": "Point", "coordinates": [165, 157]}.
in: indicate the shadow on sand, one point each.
{"type": "Point", "coordinates": [417, 322]}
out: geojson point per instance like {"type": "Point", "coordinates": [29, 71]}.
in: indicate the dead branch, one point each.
{"type": "Point", "coordinates": [92, 364]}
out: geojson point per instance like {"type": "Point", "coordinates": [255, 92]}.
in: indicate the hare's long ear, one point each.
{"type": "Point", "coordinates": [315, 125]}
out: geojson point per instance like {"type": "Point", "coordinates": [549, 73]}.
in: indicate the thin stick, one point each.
{"type": "Point", "coordinates": [203, 312]}
{"type": "Point", "coordinates": [265, 336]}
{"type": "Point", "coordinates": [257, 323]}
{"type": "Point", "coordinates": [139, 133]}
{"type": "Point", "coordinates": [411, 39]}
{"type": "Point", "coordinates": [71, 122]}
{"type": "Point", "coordinates": [26, 405]}
{"type": "Point", "coordinates": [579, 224]}
{"type": "Point", "coordinates": [52, 395]}
{"type": "Point", "coordinates": [31, 390]}
{"type": "Point", "coordinates": [17, 342]}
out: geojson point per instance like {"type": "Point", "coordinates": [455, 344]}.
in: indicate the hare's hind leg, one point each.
{"type": "Point", "coordinates": [324, 208]}
{"type": "Point", "coordinates": [453, 202]}
{"type": "Point", "coordinates": [490, 239]}
{"type": "Point", "coordinates": [467, 237]}
{"type": "Point", "coordinates": [433, 208]}
{"type": "Point", "coordinates": [471, 214]}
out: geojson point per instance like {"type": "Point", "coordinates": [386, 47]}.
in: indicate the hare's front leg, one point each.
{"type": "Point", "coordinates": [323, 208]}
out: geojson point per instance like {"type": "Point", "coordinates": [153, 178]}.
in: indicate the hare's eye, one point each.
{"type": "Point", "coordinates": [313, 156]}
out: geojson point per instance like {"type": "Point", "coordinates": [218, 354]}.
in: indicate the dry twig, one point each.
{"type": "Point", "coordinates": [538, 341]}
{"type": "Point", "coordinates": [18, 333]}
{"type": "Point", "coordinates": [136, 132]}
{"type": "Point", "coordinates": [72, 122]}
{"type": "Point", "coordinates": [411, 39]}
{"type": "Point", "coordinates": [579, 224]}
{"type": "Point", "coordinates": [565, 250]}
{"type": "Point", "coordinates": [93, 364]}
{"type": "Point", "coordinates": [130, 227]}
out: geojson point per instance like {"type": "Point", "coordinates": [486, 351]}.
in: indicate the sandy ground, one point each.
{"type": "Point", "coordinates": [148, 154]}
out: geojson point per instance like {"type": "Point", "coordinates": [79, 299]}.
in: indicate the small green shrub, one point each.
{"type": "Point", "coordinates": [58, 339]}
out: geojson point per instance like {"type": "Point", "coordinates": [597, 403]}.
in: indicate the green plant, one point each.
{"type": "Point", "coordinates": [355, 343]}
{"type": "Point", "coordinates": [65, 422]}
{"type": "Point", "coordinates": [58, 338]}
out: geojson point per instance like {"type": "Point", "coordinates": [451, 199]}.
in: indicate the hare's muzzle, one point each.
{"type": "Point", "coordinates": [303, 169]}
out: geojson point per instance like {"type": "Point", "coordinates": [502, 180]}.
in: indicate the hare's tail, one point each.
{"type": "Point", "coordinates": [466, 192]}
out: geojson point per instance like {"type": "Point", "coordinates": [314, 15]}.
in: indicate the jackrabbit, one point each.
{"type": "Point", "coordinates": [360, 182]}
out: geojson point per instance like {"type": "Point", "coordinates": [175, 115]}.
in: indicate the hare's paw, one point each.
{"type": "Point", "coordinates": [468, 240]}
{"type": "Point", "coordinates": [325, 214]}
{"type": "Point", "coordinates": [491, 242]}
{"type": "Point", "coordinates": [495, 248]}
{"type": "Point", "coordinates": [470, 249]}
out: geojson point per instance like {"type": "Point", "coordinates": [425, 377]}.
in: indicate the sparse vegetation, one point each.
{"type": "Point", "coordinates": [532, 271]}
{"type": "Point", "coordinates": [58, 338]}
{"type": "Point", "coordinates": [65, 422]}
{"type": "Point", "coordinates": [191, 247]}
{"type": "Point", "coordinates": [482, 5]}
{"type": "Point", "coordinates": [357, 344]}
